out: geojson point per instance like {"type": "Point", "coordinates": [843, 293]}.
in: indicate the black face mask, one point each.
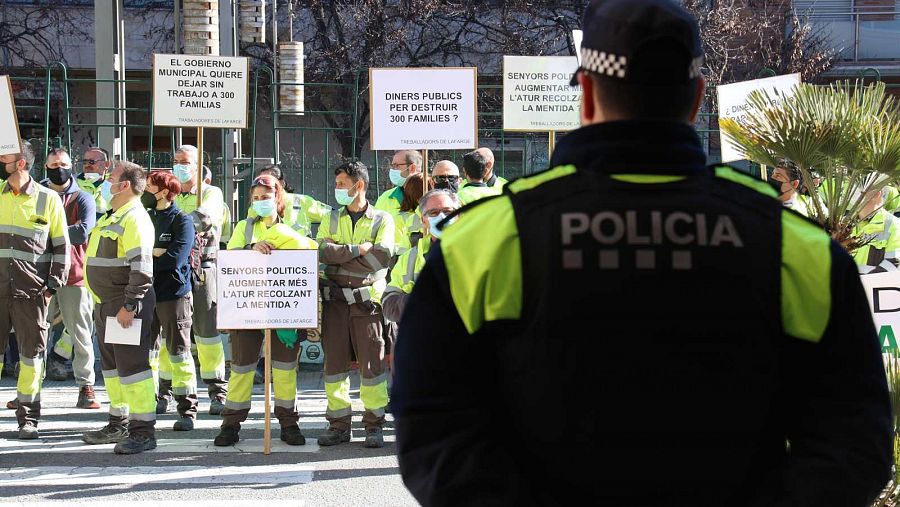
{"type": "Point", "coordinates": [149, 200]}
{"type": "Point", "coordinates": [452, 186]}
{"type": "Point", "coordinates": [3, 174]}
{"type": "Point", "coordinates": [58, 176]}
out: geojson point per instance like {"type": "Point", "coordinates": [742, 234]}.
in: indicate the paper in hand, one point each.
{"type": "Point", "coordinates": [118, 335]}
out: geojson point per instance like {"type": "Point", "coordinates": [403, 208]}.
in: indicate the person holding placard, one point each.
{"type": "Point", "coordinates": [670, 316]}
{"type": "Point", "coordinates": [264, 232]}
{"type": "Point", "coordinates": [356, 244]}
{"type": "Point", "coordinates": [34, 265]}
{"type": "Point", "coordinates": [173, 242]}
{"type": "Point", "coordinates": [475, 165]}
{"type": "Point", "coordinates": [207, 217]}
{"type": "Point", "coordinates": [301, 211]}
{"type": "Point", "coordinates": [119, 274]}
{"type": "Point", "coordinates": [435, 206]}
{"type": "Point", "coordinates": [96, 164]}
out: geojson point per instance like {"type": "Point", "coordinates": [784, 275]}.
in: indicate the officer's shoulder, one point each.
{"type": "Point", "coordinates": [534, 180]}
{"type": "Point", "coordinates": [730, 175]}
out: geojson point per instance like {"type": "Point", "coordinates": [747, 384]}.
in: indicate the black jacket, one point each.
{"type": "Point", "coordinates": [172, 270]}
{"type": "Point", "coordinates": [662, 374]}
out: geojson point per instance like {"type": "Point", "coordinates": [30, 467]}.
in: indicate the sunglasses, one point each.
{"type": "Point", "coordinates": [89, 161]}
{"type": "Point", "coordinates": [448, 177]}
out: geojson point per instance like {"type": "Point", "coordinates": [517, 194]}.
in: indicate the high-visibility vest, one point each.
{"type": "Point", "coordinates": [208, 217]}
{"type": "Point", "coordinates": [408, 267]}
{"type": "Point", "coordinates": [881, 253]}
{"type": "Point", "coordinates": [280, 235]}
{"type": "Point", "coordinates": [119, 257]}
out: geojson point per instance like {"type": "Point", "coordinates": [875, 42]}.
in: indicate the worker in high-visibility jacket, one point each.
{"type": "Point", "coordinates": [207, 218]}
{"type": "Point", "coordinates": [475, 165]}
{"type": "Point", "coordinates": [491, 179]}
{"type": "Point", "coordinates": [264, 233]}
{"type": "Point", "coordinates": [96, 163]}
{"type": "Point", "coordinates": [301, 211]}
{"type": "Point", "coordinates": [881, 231]}
{"type": "Point", "coordinates": [119, 274]}
{"type": "Point", "coordinates": [403, 164]}
{"type": "Point", "coordinates": [34, 264]}
{"type": "Point", "coordinates": [173, 242]}
{"type": "Point", "coordinates": [356, 244]}
{"type": "Point", "coordinates": [435, 206]}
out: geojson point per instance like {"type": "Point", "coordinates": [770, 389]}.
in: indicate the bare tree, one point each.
{"type": "Point", "coordinates": [30, 34]}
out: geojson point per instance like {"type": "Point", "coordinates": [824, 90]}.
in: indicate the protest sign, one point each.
{"type": "Point", "coordinates": [9, 123]}
{"type": "Point", "coordinates": [733, 103]}
{"type": "Point", "coordinates": [277, 291]}
{"type": "Point", "coordinates": [200, 91]}
{"type": "Point", "coordinates": [537, 96]}
{"type": "Point", "coordinates": [883, 291]}
{"type": "Point", "coordinates": [423, 109]}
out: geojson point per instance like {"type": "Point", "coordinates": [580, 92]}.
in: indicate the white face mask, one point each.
{"type": "Point", "coordinates": [93, 177]}
{"type": "Point", "coordinates": [433, 225]}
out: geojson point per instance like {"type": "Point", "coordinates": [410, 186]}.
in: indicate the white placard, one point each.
{"type": "Point", "coordinates": [9, 124]}
{"type": "Point", "coordinates": [259, 291]}
{"type": "Point", "coordinates": [577, 37]}
{"type": "Point", "coordinates": [119, 335]}
{"type": "Point", "coordinates": [537, 96]}
{"type": "Point", "coordinates": [427, 108]}
{"type": "Point", "coordinates": [733, 103]}
{"type": "Point", "coordinates": [200, 91]}
{"type": "Point", "coordinates": [883, 291]}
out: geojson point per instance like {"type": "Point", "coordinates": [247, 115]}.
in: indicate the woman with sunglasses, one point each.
{"type": "Point", "coordinates": [264, 231]}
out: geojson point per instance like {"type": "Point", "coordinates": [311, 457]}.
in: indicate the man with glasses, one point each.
{"type": "Point", "coordinates": [95, 165]}
{"type": "Point", "coordinates": [34, 264]}
{"type": "Point", "coordinates": [434, 206]}
{"type": "Point", "coordinates": [446, 176]}
{"type": "Point", "coordinates": [403, 164]}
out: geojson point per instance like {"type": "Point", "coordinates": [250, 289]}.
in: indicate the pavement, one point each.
{"type": "Point", "coordinates": [59, 469]}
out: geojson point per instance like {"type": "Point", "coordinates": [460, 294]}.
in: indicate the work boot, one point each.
{"type": "Point", "coordinates": [56, 370]}
{"type": "Point", "coordinates": [12, 404]}
{"type": "Point", "coordinates": [228, 435]}
{"type": "Point", "coordinates": [135, 444]}
{"type": "Point", "coordinates": [109, 434]}
{"type": "Point", "coordinates": [333, 436]}
{"type": "Point", "coordinates": [87, 399]}
{"type": "Point", "coordinates": [165, 403]}
{"type": "Point", "coordinates": [291, 435]}
{"type": "Point", "coordinates": [183, 424]}
{"type": "Point", "coordinates": [28, 431]}
{"type": "Point", "coordinates": [216, 406]}
{"type": "Point", "coordinates": [374, 438]}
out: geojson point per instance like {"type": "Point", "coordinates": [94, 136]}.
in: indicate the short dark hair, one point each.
{"type": "Point", "coordinates": [26, 153]}
{"type": "Point", "coordinates": [355, 169]}
{"type": "Point", "coordinates": [475, 165]}
{"type": "Point", "coordinates": [58, 151]}
{"type": "Point", "coordinates": [134, 174]}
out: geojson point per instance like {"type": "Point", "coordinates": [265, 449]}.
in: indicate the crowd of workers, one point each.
{"type": "Point", "coordinates": [117, 242]}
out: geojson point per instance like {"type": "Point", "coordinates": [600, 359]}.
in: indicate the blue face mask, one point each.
{"type": "Point", "coordinates": [433, 225]}
{"type": "Point", "coordinates": [396, 179]}
{"type": "Point", "coordinates": [264, 208]}
{"type": "Point", "coordinates": [183, 172]}
{"type": "Point", "coordinates": [343, 197]}
{"type": "Point", "coordinates": [106, 191]}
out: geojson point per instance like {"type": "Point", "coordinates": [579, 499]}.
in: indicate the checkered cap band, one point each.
{"type": "Point", "coordinates": [603, 63]}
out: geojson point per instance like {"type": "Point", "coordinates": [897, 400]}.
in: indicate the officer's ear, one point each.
{"type": "Point", "coordinates": [698, 99]}
{"type": "Point", "coordinates": [588, 106]}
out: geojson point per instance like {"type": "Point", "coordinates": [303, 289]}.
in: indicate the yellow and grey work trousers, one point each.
{"type": "Point", "coordinates": [245, 347]}
{"type": "Point", "coordinates": [210, 347]}
{"type": "Point", "coordinates": [349, 329]}
{"type": "Point", "coordinates": [29, 318]}
{"type": "Point", "coordinates": [177, 375]}
{"type": "Point", "coordinates": [126, 368]}
{"type": "Point", "coordinates": [76, 306]}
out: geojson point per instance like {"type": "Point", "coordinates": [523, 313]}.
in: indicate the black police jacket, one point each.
{"type": "Point", "coordinates": [635, 328]}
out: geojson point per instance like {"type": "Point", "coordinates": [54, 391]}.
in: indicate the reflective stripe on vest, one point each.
{"type": "Point", "coordinates": [41, 208]}
{"type": "Point", "coordinates": [248, 230]}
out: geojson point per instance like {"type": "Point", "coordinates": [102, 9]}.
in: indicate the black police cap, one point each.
{"type": "Point", "coordinates": [641, 41]}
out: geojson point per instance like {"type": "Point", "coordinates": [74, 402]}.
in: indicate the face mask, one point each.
{"type": "Point", "coordinates": [58, 176]}
{"type": "Point", "coordinates": [452, 186]}
{"type": "Point", "coordinates": [433, 225]}
{"type": "Point", "coordinates": [264, 208]}
{"type": "Point", "coordinates": [3, 174]}
{"type": "Point", "coordinates": [149, 199]}
{"type": "Point", "coordinates": [343, 197]}
{"type": "Point", "coordinates": [92, 177]}
{"type": "Point", "coordinates": [106, 191]}
{"type": "Point", "coordinates": [183, 172]}
{"type": "Point", "coordinates": [396, 178]}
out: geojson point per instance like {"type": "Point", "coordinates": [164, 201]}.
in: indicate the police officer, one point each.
{"type": "Point", "coordinates": [34, 264]}
{"type": "Point", "coordinates": [697, 344]}
{"type": "Point", "coordinates": [356, 244]}
{"type": "Point", "coordinates": [208, 217]}
{"type": "Point", "coordinates": [119, 274]}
